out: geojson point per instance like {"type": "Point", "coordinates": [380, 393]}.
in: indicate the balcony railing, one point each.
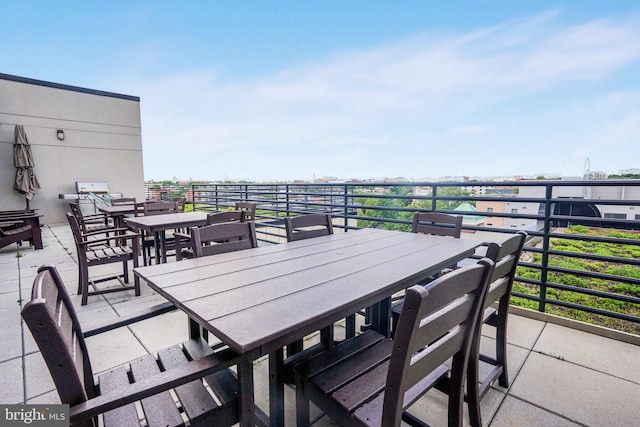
{"type": "Point", "coordinates": [582, 259]}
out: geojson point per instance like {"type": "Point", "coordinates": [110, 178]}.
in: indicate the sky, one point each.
{"type": "Point", "coordinates": [283, 90]}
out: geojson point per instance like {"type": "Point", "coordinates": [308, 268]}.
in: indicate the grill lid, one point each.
{"type": "Point", "coordinates": [91, 187]}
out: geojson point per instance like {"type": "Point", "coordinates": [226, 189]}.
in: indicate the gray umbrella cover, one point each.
{"type": "Point", "coordinates": [26, 181]}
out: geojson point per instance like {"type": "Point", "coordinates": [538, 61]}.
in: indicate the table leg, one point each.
{"type": "Point", "coordinates": [276, 388]}
{"type": "Point", "coordinates": [156, 243]}
{"type": "Point", "coordinates": [195, 331]}
{"type": "Point", "coordinates": [247, 404]}
{"type": "Point", "coordinates": [381, 317]}
{"type": "Point", "coordinates": [163, 246]}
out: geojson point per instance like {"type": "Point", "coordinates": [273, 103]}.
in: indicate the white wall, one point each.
{"type": "Point", "coordinates": [102, 142]}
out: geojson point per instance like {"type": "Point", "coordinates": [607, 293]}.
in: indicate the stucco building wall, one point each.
{"type": "Point", "coordinates": [102, 142]}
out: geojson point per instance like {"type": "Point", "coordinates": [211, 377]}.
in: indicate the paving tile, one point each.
{"type": "Point", "coordinates": [113, 348]}
{"type": "Point", "coordinates": [38, 380]}
{"type": "Point", "coordinates": [11, 384]}
{"type": "Point", "coordinates": [602, 354]}
{"type": "Point", "coordinates": [521, 331]}
{"type": "Point", "coordinates": [162, 331]}
{"type": "Point", "coordinates": [49, 397]}
{"type": "Point", "coordinates": [515, 412]}
{"type": "Point", "coordinates": [432, 407]}
{"type": "Point", "coordinates": [11, 333]}
{"type": "Point", "coordinates": [516, 357]}
{"type": "Point", "coordinates": [577, 393]}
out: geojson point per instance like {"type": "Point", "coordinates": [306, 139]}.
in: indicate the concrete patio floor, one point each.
{"type": "Point", "coordinates": [560, 376]}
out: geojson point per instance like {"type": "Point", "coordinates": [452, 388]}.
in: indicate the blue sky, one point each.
{"type": "Point", "coordinates": [281, 90]}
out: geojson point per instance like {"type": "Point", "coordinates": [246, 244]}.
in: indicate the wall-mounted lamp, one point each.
{"type": "Point", "coordinates": [60, 134]}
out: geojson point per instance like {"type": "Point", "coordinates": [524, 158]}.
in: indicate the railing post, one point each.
{"type": "Point", "coordinates": [345, 201]}
{"type": "Point", "coordinates": [434, 196]}
{"type": "Point", "coordinates": [545, 248]}
{"type": "Point", "coordinates": [286, 188]}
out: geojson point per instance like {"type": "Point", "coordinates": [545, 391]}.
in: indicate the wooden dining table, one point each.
{"type": "Point", "coordinates": [257, 301]}
{"type": "Point", "coordinates": [118, 213]}
{"type": "Point", "coordinates": [157, 225]}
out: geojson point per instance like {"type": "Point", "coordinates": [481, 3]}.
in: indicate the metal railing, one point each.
{"type": "Point", "coordinates": [582, 258]}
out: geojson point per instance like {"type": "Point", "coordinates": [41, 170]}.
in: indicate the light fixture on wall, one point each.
{"type": "Point", "coordinates": [60, 134]}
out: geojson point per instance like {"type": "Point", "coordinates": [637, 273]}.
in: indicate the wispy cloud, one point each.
{"type": "Point", "coordinates": [400, 108]}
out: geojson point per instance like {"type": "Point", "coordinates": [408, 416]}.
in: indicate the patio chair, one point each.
{"type": "Point", "coordinates": [370, 380]}
{"type": "Point", "coordinates": [506, 257]}
{"type": "Point", "coordinates": [181, 202]}
{"type": "Point", "coordinates": [249, 210]}
{"type": "Point", "coordinates": [160, 208]}
{"type": "Point", "coordinates": [14, 231]}
{"type": "Point", "coordinates": [146, 382]}
{"type": "Point", "coordinates": [183, 240]}
{"type": "Point", "coordinates": [435, 223]}
{"type": "Point", "coordinates": [90, 222]}
{"type": "Point", "coordinates": [224, 237]}
{"type": "Point", "coordinates": [98, 248]}
{"type": "Point", "coordinates": [307, 226]}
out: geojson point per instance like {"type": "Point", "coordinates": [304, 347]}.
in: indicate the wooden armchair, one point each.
{"type": "Point", "coordinates": [183, 240]}
{"type": "Point", "coordinates": [225, 237]}
{"type": "Point", "coordinates": [307, 226]}
{"type": "Point", "coordinates": [146, 382]}
{"type": "Point", "coordinates": [506, 256]}
{"type": "Point", "coordinates": [19, 228]}
{"type": "Point", "coordinates": [98, 248]}
{"type": "Point", "coordinates": [249, 210]}
{"type": "Point", "coordinates": [437, 224]}
{"type": "Point", "coordinates": [90, 222]}
{"type": "Point", "coordinates": [370, 380]}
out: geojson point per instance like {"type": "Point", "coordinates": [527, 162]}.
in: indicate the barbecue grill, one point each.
{"type": "Point", "coordinates": [90, 195]}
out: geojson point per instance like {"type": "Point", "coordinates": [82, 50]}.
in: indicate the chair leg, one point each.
{"type": "Point", "coordinates": [84, 283]}
{"type": "Point", "coordinates": [79, 280]}
{"type": "Point", "coordinates": [302, 406]}
{"type": "Point", "coordinates": [350, 326]}
{"type": "Point", "coordinates": [125, 271]}
{"type": "Point", "coordinates": [501, 347]}
{"type": "Point", "coordinates": [473, 387]}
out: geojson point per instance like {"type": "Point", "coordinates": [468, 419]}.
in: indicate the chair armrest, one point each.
{"type": "Point", "coordinates": [10, 222]}
{"type": "Point", "coordinates": [151, 312]}
{"type": "Point", "coordinates": [155, 384]}
{"type": "Point", "coordinates": [126, 232]}
{"type": "Point", "coordinates": [94, 216]}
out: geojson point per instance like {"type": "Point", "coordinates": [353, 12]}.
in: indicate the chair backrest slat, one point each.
{"type": "Point", "coordinates": [225, 237]}
{"type": "Point", "coordinates": [438, 321]}
{"type": "Point", "coordinates": [308, 226]}
{"type": "Point", "coordinates": [437, 223]}
{"type": "Point", "coordinates": [160, 208]}
{"type": "Point", "coordinates": [55, 327]}
{"type": "Point", "coordinates": [506, 256]}
{"type": "Point", "coordinates": [225, 216]}
{"type": "Point", "coordinates": [249, 209]}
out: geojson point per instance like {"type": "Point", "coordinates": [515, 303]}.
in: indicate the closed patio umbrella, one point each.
{"type": "Point", "coordinates": [26, 181]}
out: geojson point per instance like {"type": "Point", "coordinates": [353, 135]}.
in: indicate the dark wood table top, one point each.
{"type": "Point", "coordinates": [118, 209]}
{"type": "Point", "coordinates": [259, 300]}
{"type": "Point", "coordinates": [157, 223]}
